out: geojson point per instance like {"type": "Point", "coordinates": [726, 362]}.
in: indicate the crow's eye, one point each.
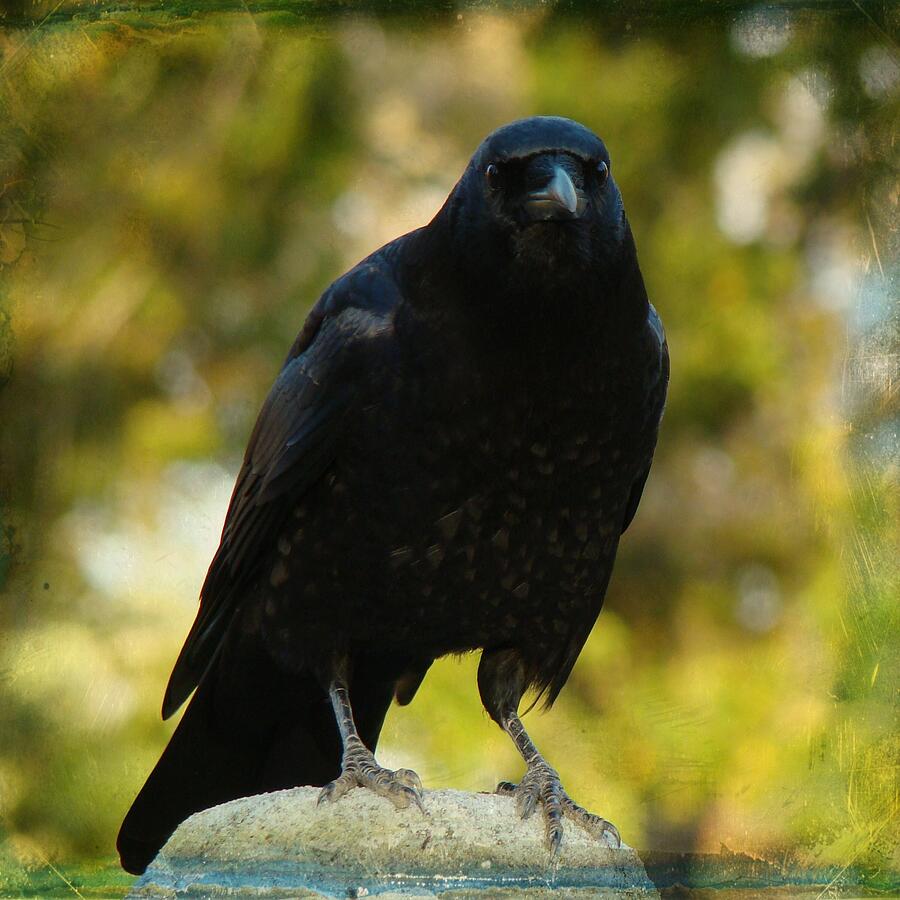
{"type": "Point", "coordinates": [602, 172]}
{"type": "Point", "coordinates": [492, 175]}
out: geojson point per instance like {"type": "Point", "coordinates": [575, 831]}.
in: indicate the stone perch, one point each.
{"type": "Point", "coordinates": [467, 845]}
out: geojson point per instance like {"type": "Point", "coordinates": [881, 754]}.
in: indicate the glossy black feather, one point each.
{"type": "Point", "coordinates": [292, 443]}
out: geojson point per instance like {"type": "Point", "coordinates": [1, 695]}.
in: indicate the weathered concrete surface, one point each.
{"type": "Point", "coordinates": [467, 845]}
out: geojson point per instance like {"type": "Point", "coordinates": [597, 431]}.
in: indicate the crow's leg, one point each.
{"type": "Point", "coordinates": [541, 784]}
{"type": "Point", "coordinates": [501, 681]}
{"type": "Point", "coordinates": [358, 765]}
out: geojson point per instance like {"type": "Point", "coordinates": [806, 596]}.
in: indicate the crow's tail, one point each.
{"type": "Point", "coordinates": [246, 731]}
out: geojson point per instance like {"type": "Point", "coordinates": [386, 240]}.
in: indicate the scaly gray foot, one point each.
{"type": "Point", "coordinates": [541, 784]}
{"type": "Point", "coordinates": [359, 769]}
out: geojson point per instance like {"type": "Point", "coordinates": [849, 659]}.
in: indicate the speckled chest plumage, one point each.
{"type": "Point", "coordinates": [481, 507]}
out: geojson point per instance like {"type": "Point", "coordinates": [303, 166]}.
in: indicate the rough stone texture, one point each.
{"type": "Point", "coordinates": [467, 845]}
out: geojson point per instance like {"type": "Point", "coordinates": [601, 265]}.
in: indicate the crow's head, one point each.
{"type": "Point", "coordinates": [539, 195]}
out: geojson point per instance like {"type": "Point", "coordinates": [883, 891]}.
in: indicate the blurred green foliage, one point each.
{"type": "Point", "coordinates": [177, 190]}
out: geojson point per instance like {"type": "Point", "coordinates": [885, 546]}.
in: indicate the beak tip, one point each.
{"type": "Point", "coordinates": [562, 190]}
{"type": "Point", "coordinates": [559, 195]}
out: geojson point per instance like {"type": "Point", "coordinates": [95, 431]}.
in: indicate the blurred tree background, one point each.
{"type": "Point", "coordinates": [176, 190]}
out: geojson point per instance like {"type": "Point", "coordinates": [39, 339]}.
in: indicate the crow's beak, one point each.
{"type": "Point", "coordinates": [558, 199]}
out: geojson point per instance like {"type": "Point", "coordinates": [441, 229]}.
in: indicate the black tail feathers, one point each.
{"type": "Point", "coordinates": [249, 729]}
{"type": "Point", "coordinates": [219, 752]}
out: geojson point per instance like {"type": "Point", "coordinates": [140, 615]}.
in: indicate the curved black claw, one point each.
{"type": "Point", "coordinates": [541, 784]}
{"type": "Point", "coordinates": [359, 769]}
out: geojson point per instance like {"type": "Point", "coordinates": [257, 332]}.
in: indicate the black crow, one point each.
{"type": "Point", "coordinates": [457, 439]}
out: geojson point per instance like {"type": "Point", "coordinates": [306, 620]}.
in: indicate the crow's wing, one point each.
{"type": "Point", "coordinates": [298, 432]}
{"type": "Point", "coordinates": [658, 400]}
